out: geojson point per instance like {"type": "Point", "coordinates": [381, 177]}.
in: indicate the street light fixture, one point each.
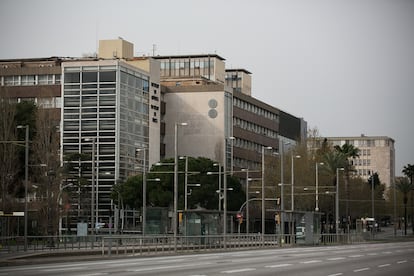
{"type": "Point", "coordinates": [144, 189]}
{"type": "Point", "coordinates": [263, 191]}
{"type": "Point", "coordinates": [225, 190]}
{"type": "Point", "coordinates": [282, 201]}
{"type": "Point", "coordinates": [93, 225]}
{"type": "Point", "coordinates": [292, 198]}
{"type": "Point", "coordinates": [175, 224]}
{"type": "Point", "coordinates": [316, 185]}
{"type": "Point", "coordinates": [337, 202]}
{"type": "Point", "coordinates": [26, 180]}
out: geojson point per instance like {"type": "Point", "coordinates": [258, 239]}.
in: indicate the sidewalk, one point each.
{"type": "Point", "coordinates": [36, 257]}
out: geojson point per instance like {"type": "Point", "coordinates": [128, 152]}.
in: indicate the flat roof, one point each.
{"type": "Point", "coordinates": [189, 56]}
{"type": "Point", "coordinates": [238, 70]}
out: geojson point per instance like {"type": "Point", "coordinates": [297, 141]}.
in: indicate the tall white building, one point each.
{"type": "Point", "coordinates": [110, 105]}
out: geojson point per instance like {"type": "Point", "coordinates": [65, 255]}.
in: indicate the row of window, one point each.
{"type": "Point", "coordinates": [51, 102]}
{"type": "Point", "coordinates": [249, 145]}
{"type": "Point", "coordinates": [187, 67]}
{"type": "Point", "coordinates": [255, 109]}
{"type": "Point", "coordinates": [361, 162]}
{"type": "Point", "coordinates": [29, 80]}
{"type": "Point", "coordinates": [249, 126]}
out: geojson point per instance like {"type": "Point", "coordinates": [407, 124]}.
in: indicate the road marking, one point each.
{"type": "Point", "coordinates": [401, 262]}
{"type": "Point", "coordinates": [355, 256]}
{"type": "Point", "coordinates": [94, 274]}
{"type": "Point", "coordinates": [166, 267]}
{"type": "Point", "coordinates": [63, 268]}
{"type": "Point", "coordinates": [387, 252]}
{"type": "Point", "coordinates": [278, 265]}
{"type": "Point", "coordinates": [361, 269]}
{"type": "Point", "coordinates": [336, 259]}
{"type": "Point", "coordinates": [311, 262]}
{"type": "Point", "coordinates": [336, 274]}
{"type": "Point", "coordinates": [238, 270]}
{"type": "Point", "coordinates": [384, 265]}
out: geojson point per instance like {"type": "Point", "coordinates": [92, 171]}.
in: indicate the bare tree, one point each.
{"type": "Point", "coordinates": [8, 153]}
{"type": "Point", "coordinates": [46, 159]}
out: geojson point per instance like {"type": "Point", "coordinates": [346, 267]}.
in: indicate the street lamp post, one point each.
{"type": "Point", "coordinates": [282, 202]}
{"type": "Point", "coordinates": [144, 190]}
{"type": "Point", "coordinates": [337, 202]}
{"type": "Point", "coordinates": [93, 222]}
{"type": "Point", "coordinates": [225, 191]}
{"type": "Point", "coordinates": [247, 200]}
{"type": "Point", "coordinates": [292, 198]}
{"type": "Point", "coordinates": [317, 186]}
{"type": "Point", "coordinates": [26, 180]}
{"type": "Point", "coordinates": [263, 192]}
{"type": "Point", "coordinates": [175, 224]}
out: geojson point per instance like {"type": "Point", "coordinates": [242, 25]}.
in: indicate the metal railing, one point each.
{"type": "Point", "coordinates": [155, 244]}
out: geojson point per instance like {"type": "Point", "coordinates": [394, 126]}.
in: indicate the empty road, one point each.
{"type": "Point", "coordinates": [362, 259]}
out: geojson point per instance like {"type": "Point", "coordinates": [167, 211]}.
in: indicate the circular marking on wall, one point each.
{"type": "Point", "coordinates": [212, 103]}
{"type": "Point", "coordinates": [212, 113]}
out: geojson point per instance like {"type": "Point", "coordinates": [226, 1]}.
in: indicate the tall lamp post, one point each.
{"type": "Point", "coordinates": [93, 222]}
{"type": "Point", "coordinates": [26, 180]}
{"type": "Point", "coordinates": [225, 191]}
{"type": "Point", "coordinates": [337, 202]}
{"type": "Point", "coordinates": [144, 190]}
{"type": "Point", "coordinates": [317, 186]}
{"type": "Point", "coordinates": [263, 192]}
{"type": "Point", "coordinates": [175, 224]}
{"type": "Point", "coordinates": [292, 198]}
{"type": "Point", "coordinates": [247, 200]}
{"type": "Point", "coordinates": [282, 202]}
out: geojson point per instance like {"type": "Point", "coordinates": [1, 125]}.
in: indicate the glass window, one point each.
{"type": "Point", "coordinates": [72, 77]}
{"type": "Point", "coordinates": [109, 76]}
{"type": "Point", "coordinates": [89, 77]}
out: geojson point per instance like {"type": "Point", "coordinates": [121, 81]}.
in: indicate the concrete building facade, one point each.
{"type": "Point", "coordinates": [376, 155]}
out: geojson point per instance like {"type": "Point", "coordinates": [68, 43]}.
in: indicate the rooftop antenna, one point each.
{"type": "Point", "coordinates": [154, 48]}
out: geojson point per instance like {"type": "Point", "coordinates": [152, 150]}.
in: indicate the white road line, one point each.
{"type": "Point", "coordinates": [336, 259]}
{"type": "Point", "coordinates": [384, 265]}
{"type": "Point", "coordinates": [63, 269]}
{"type": "Point", "coordinates": [387, 252]}
{"type": "Point", "coordinates": [278, 265]}
{"type": "Point", "coordinates": [401, 262]}
{"type": "Point", "coordinates": [355, 256]}
{"type": "Point", "coordinates": [336, 274]}
{"type": "Point", "coordinates": [361, 269]}
{"type": "Point", "coordinates": [238, 270]}
{"type": "Point", "coordinates": [311, 262]}
{"type": "Point", "coordinates": [94, 274]}
{"type": "Point", "coordinates": [166, 267]}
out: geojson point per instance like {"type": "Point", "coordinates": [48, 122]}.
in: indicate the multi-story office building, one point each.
{"type": "Point", "coordinates": [217, 105]}
{"type": "Point", "coordinates": [112, 105]}
{"type": "Point", "coordinates": [109, 111]}
{"type": "Point", "coordinates": [376, 155]}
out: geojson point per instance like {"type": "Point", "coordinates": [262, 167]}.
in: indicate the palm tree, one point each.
{"type": "Point", "coordinates": [333, 160]}
{"type": "Point", "coordinates": [404, 187]}
{"type": "Point", "coordinates": [349, 151]}
{"type": "Point", "coordinates": [408, 170]}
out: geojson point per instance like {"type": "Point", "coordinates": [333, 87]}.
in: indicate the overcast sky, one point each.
{"type": "Point", "coordinates": [346, 67]}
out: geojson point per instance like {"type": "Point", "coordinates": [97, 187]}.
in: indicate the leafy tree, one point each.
{"type": "Point", "coordinates": [408, 171]}
{"type": "Point", "coordinates": [404, 186]}
{"type": "Point", "coordinates": [160, 193]}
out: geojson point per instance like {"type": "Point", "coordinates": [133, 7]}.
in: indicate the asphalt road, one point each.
{"type": "Point", "coordinates": [363, 259]}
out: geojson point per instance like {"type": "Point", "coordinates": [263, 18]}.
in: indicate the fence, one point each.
{"type": "Point", "coordinates": [147, 245]}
